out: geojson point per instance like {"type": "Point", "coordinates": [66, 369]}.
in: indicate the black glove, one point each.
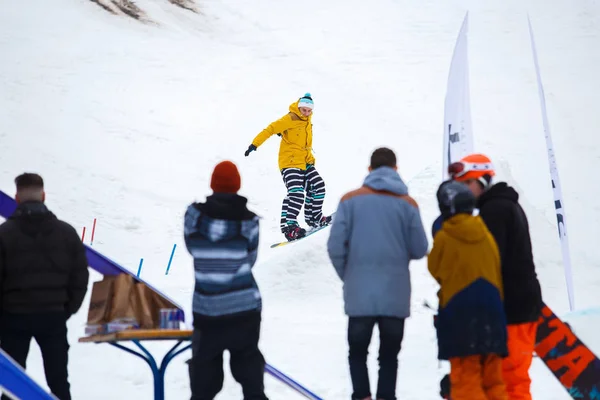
{"type": "Point", "coordinates": [251, 148]}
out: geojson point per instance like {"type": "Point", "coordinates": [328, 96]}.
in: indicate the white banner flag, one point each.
{"type": "Point", "coordinates": [458, 133]}
{"type": "Point", "coordinates": [558, 201]}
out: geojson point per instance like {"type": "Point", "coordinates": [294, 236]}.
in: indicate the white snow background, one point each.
{"type": "Point", "coordinates": [125, 121]}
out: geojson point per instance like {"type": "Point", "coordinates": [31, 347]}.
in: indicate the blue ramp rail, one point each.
{"type": "Point", "coordinates": [280, 376]}
{"type": "Point", "coordinates": [17, 384]}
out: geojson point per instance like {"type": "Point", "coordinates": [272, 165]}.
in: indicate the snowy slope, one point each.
{"type": "Point", "coordinates": [125, 120]}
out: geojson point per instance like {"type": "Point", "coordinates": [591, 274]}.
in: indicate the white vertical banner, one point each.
{"type": "Point", "coordinates": [458, 132]}
{"type": "Point", "coordinates": [558, 200]}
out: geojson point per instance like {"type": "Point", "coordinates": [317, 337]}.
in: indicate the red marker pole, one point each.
{"type": "Point", "coordinates": [93, 231]}
{"type": "Point", "coordinates": [83, 234]}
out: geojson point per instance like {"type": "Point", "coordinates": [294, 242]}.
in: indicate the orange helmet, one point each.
{"type": "Point", "coordinates": [473, 167]}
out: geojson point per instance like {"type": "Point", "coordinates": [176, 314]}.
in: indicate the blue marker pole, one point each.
{"type": "Point", "coordinates": [171, 259]}
{"type": "Point", "coordinates": [140, 267]}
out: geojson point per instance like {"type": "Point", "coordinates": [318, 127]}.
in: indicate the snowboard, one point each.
{"type": "Point", "coordinates": [573, 364]}
{"type": "Point", "coordinates": [308, 233]}
{"type": "Point", "coordinates": [567, 357]}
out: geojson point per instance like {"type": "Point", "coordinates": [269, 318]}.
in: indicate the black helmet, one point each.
{"type": "Point", "coordinates": [455, 198]}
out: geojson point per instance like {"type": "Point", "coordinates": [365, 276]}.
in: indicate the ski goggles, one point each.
{"type": "Point", "coordinates": [460, 169]}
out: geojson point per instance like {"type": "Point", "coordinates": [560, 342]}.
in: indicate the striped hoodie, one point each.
{"type": "Point", "coordinates": [222, 237]}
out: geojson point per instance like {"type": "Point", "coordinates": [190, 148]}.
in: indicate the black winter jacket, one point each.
{"type": "Point", "coordinates": [506, 220]}
{"type": "Point", "coordinates": [43, 266]}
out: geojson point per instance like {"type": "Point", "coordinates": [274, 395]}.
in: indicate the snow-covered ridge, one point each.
{"type": "Point", "coordinates": [132, 9]}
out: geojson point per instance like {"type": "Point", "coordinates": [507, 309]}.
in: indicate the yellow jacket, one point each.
{"type": "Point", "coordinates": [466, 263]}
{"type": "Point", "coordinates": [295, 150]}
{"type": "Point", "coordinates": [464, 251]}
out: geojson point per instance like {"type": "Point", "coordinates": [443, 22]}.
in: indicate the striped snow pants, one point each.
{"type": "Point", "coordinates": [298, 182]}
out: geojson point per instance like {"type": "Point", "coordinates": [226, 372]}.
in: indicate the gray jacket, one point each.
{"type": "Point", "coordinates": [376, 231]}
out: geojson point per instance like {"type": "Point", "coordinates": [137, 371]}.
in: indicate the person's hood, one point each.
{"type": "Point", "coordinates": [499, 190]}
{"type": "Point", "coordinates": [465, 228]}
{"type": "Point", "coordinates": [294, 109]}
{"type": "Point", "coordinates": [34, 218]}
{"type": "Point", "coordinates": [226, 206]}
{"type": "Point", "coordinates": [386, 179]}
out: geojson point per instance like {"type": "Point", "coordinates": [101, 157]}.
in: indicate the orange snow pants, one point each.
{"type": "Point", "coordinates": [515, 367]}
{"type": "Point", "coordinates": [477, 378]}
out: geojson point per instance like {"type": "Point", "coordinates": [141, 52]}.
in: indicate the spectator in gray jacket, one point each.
{"type": "Point", "coordinates": [376, 231]}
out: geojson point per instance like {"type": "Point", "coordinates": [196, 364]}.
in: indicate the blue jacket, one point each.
{"type": "Point", "coordinates": [376, 231]}
{"type": "Point", "coordinates": [222, 236]}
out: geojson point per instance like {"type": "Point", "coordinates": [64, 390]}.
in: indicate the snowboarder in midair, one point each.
{"type": "Point", "coordinates": [297, 167]}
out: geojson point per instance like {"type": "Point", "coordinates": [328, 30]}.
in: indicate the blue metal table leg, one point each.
{"type": "Point", "coordinates": [159, 385]}
{"type": "Point", "coordinates": [171, 354]}
{"type": "Point", "coordinates": [158, 373]}
{"type": "Point", "coordinates": [148, 358]}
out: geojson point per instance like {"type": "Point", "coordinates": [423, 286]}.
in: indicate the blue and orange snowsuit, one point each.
{"type": "Point", "coordinates": [471, 324]}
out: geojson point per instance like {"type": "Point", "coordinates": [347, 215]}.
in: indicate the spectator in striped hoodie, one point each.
{"type": "Point", "coordinates": [222, 236]}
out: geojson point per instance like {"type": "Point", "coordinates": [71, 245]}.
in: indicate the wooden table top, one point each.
{"type": "Point", "coordinates": [139, 334]}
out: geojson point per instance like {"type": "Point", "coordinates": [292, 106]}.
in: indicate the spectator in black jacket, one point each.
{"type": "Point", "coordinates": [500, 210]}
{"type": "Point", "coordinates": [43, 280]}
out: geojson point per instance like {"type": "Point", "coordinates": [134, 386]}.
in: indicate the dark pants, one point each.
{"type": "Point", "coordinates": [50, 332]}
{"type": "Point", "coordinates": [237, 334]}
{"type": "Point", "coordinates": [391, 332]}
